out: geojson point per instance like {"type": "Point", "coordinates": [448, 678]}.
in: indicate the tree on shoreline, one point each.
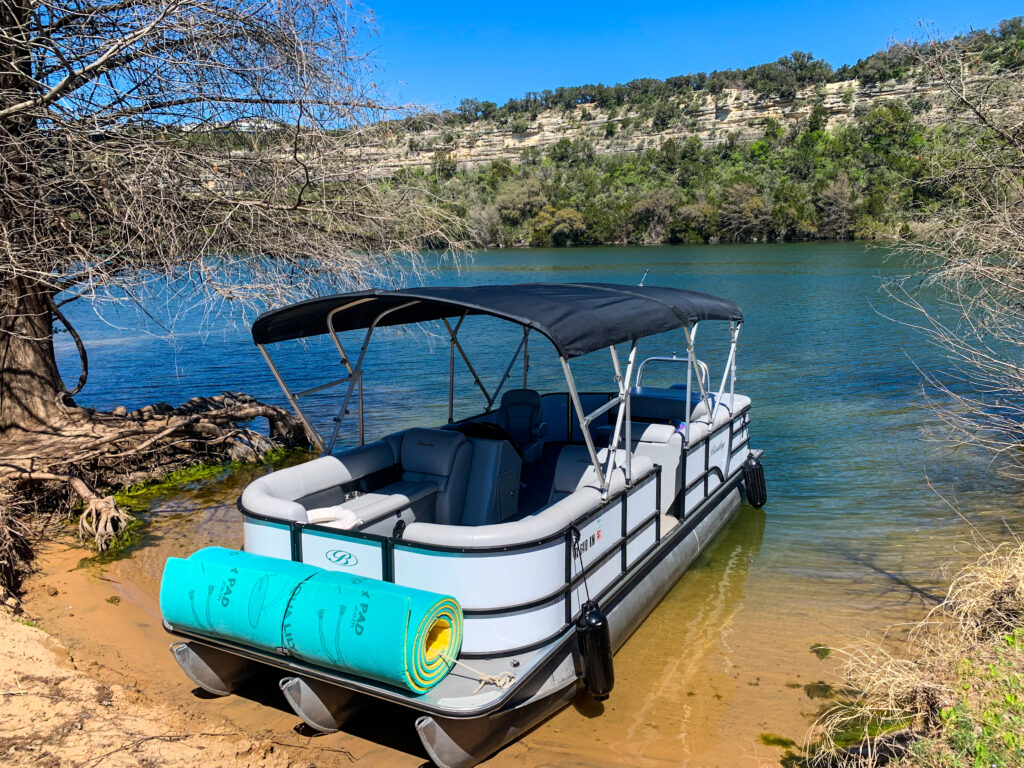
{"type": "Point", "coordinates": [204, 152]}
{"type": "Point", "coordinates": [115, 171]}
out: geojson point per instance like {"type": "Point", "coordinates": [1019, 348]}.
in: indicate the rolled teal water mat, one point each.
{"type": "Point", "coordinates": [232, 595]}
{"type": "Point", "coordinates": [376, 629]}
{"type": "Point", "coordinates": [387, 632]}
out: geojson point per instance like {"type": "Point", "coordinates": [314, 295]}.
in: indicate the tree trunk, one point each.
{"type": "Point", "coordinates": [30, 384]}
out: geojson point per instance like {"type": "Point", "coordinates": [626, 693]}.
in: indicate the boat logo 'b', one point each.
{"type": "Point", "coordinates": [341, 557]}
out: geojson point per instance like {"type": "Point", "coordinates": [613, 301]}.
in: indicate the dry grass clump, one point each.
{"type": "Point", "coordinates": [986, 599]}
{"type": "Point", "coordinates": [954, 696]}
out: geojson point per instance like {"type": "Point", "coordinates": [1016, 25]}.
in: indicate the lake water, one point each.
{"type": "Point", "coordinates": [851, 538]}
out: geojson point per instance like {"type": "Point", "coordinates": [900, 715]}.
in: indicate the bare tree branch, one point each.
{"type": "Point", "coordinates": [974, 259]}
{"type": "Point", "coordinates": [200, 155]}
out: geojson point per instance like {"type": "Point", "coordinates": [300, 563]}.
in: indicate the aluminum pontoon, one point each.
{"type": "Point", "coordinates": [529, 513]}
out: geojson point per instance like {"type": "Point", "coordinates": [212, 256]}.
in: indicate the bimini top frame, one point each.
{"type": "Point", "coordinates": [576, 317]}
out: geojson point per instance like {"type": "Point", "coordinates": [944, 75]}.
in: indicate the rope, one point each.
{"type": "Point", "coordinates": [502, 679]}
{"type": "Point", "coordinates": [579, 556]}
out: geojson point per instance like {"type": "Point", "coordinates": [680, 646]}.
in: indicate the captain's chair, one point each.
{"type": "Point", "coordinates": [521, 415]}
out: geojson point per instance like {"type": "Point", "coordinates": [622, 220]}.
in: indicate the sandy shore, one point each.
{"type": "Point", "coordinates": [94, 685]}
{"type": "Point", "coordinates": [53, 713]}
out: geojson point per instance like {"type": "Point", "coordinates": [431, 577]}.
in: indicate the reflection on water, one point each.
{"type": "Point", "coordinates": [661, 668]}
{"type": "Point", "coordinates": [850, 540]}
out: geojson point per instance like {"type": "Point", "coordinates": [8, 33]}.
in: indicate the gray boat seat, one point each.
{"type": "Point", "coordinates": [729, 404]}
{"type": "Point", "coordinates": [276, 495]}
{"type": "Point", "coordinates": [492, 493]}
{"type": "Point", "coordinates": [574, 470]}
{"type": "Point", "coordinates": [572, 467]}
{"type": "Point", "coordinates": [521, 414]}
{"type": "Point", "coordinates": [433, 466]}
{"type": "Point", "coordinates": [663, 444]}
{"type": "Point", "coordinates": [316, 486]}
{"type": "Point", "coordinates": [370, 507]}
{"type": "Point", "coordinates": [550, 520]}
{"type": "Point", "coordinates": [442, 459]}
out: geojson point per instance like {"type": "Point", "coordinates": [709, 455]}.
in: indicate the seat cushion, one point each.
{"type": "Point", "coordinates": [575, 470]}
{"type": "Point", "coordinates": [429, 452]}
{"type": "Point", "coordinates": [641, 432]}
{"type": "Point", "coordinates": [573, 466]}
{"type": "Point", "coordinates": [275, 495]}
{"type": "Point", "coordinates": [370, 507]}
{"type": "Point", "coordinates": [441, 457]}
{"type": "Point", "coordinates": [520, 415]}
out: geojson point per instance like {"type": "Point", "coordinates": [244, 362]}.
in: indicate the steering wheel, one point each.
{"type": "Point", "coordinates": [484, 430]}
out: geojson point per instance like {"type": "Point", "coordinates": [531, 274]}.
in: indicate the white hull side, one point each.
{"type": "Point", "coordinates": [465, 742]}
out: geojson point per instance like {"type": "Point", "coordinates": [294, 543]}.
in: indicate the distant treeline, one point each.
{"type": "Point", "coordinates": [781, 79]}
{"type": "Point", "coordinates": [866, 178]}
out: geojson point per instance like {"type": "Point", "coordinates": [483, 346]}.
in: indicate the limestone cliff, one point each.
{"type": "Point", "coordinates": [708, 117]}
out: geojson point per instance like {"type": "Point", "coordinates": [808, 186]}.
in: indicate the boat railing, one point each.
{"type": "Point", "coordinates": [516, 595]}
{"type": "Point", "coordinates": [700, 365]}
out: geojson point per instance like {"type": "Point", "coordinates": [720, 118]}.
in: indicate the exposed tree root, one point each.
{"type": "Point", "coordinates": [73, 467]}
{"type": "Point", "coordinates": [17, 532]}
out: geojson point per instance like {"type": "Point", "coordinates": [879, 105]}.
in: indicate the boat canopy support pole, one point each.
{"type": "Point", "coordinates": [453, 333]}
{"type": "Point", "coordinates": [730, 371]}
{"type": "Point", "coordinates": [629, 414]}
{"type": "Point", "coordinates": [348, 366]}
{"type": "Point", "coordinates": [293, 397]}
{"type": "Point", "coordinates": [622, 418]}
{"type": "Point", "coordinates": [691, 335]}
{"type": "Point", "coordinates": [584, 421]}
{"type": "Point", "coordinates": [505, 377]}
{"type": "Point", "coordinates": [356, 379]}
{"type": "Point", "coordinates": [526, 355]}
{"type": "Point", "coordinates": [314, 437]}
{"type": "Point", "coordinates": [451, 367]}
{"type": "Point", "coordinates": [689, 373]}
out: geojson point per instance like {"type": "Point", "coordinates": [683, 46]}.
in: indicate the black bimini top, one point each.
{"type": "Point", "coordinates": [576, 317]}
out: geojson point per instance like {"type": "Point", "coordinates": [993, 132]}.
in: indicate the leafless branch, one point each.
{"type": "Point", "coordinates": [974, 260]}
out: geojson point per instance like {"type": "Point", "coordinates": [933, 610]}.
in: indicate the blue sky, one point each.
{"type": "Point", "coordinates": [438, 53]}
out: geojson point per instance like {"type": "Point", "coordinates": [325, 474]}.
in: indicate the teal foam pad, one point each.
{"type": "Point", "coordinates": [375, 629]}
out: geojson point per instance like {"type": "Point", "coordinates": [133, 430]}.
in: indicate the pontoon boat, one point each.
{"type": "Point", "coordinates": [558, 520]}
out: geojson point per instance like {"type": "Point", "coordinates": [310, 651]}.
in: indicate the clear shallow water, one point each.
{"type": "Point", "coordinates": [851, 537]}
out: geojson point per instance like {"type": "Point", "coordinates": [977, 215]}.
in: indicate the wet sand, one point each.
{"type": "Point", "coordinates": [720, 663]}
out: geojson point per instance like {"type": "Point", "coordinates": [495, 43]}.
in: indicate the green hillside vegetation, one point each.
{"type": "Point", "coordinates": [862, 179]}
{"type": "Point", "coordinates": [805, 183]}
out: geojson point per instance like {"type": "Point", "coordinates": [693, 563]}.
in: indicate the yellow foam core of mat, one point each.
{"type": "Point", "coordinates": [438, 638]}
